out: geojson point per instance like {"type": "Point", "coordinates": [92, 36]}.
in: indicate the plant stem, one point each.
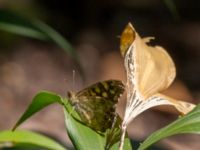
{"type": "Point", "coordinates": [121, 144]}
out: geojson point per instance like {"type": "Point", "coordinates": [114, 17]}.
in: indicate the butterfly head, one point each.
{"type": "Point", "coordinates": [72, 98]}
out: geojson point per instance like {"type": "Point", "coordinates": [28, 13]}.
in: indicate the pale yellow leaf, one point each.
{"type": "Point", "coordinates": [153, 69]}
{"type": "Point", "coordinates": [181, 106]}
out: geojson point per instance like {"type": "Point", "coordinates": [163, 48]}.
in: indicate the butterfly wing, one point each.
{"type": "Point", "coordinates": [96, 104]}
{"type": "Point", "coordinates": [109, 89]}
{"type": "Point", "coordinates": [96, 112]}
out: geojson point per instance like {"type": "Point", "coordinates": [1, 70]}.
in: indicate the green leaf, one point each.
{"type": "Point", "coordinates": [36, 29]}
{"type": "Point", "coordinates": [40, 101]}
{"type": "Point", "coordinates": [55, 37]}
{"type": "Point", "coordinates": [113, 137]}
{"type": "Point", "coordinates": [59, 40]}
{"type": "Point", "coordinates": [127, 145]}
{"type": "Point", "coordinates": [18, 25]}
{"type": "Point", "coordinates": [28, 138]}
{"type": "Point", "coordinates": [170, 4]}
{"type": "Point", "coordinates": [24, 147]}
{"type": "Point", "coordinates": [83, 137]}
{"type": "Point", "coordinates": [189, 123]}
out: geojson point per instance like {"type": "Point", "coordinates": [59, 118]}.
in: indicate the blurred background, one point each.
{"type": "Point", "coordinates": [41, 60]}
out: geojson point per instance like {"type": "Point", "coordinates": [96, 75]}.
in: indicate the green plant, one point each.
{"type": "Point", "coordinates": [85, 138]}
{"type": "Point", "coordinates": [36, 29]}
{"type": "Point", "coordinates": [81, 135]}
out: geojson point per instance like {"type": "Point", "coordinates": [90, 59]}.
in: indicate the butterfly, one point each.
{"type": "Point", "coordinates": [96, 104]}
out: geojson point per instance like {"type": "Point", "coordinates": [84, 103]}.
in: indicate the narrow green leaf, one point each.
{"type": "Point", "coordinates": [17, 25]}
{"type": "Point", "coordinates": [40, 101]}
{"type": "Point", "coordinates": [55, 37]}
{"type": "Point", "coordinates": [27, 137]}
{"type": "Point", "coordinates": [127, 145]}
{"type": "Point", "coordinates": [189, 123]}
{"type": "Point", "coordinates": [83, 137]}
{"type": "Point", "coordinates": [36, 29]}
{"type": "Point", "coordinates": [59, 40]}
{"type": "Point", "coordinates": [170, 4]}
{"type": "Point", "coordinates": [113, 137]}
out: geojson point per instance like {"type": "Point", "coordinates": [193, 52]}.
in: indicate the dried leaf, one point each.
{"type": "Point", "coordinates": [153, 68]}
{"type": "Point", "coordinates": [127, 38]}
{"type": "Point", "coordinates": [150, 70]}
{"type": "Point", "coordinates": [181, 106]}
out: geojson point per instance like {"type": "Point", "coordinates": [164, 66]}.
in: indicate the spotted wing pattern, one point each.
{"type": "Point", "coordinates": [109, 89]}
{"type": "Point", "coordinates": [96, 104]}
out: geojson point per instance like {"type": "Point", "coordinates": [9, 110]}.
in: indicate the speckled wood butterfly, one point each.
{"type": "Point", "coordinates": [96, 104]}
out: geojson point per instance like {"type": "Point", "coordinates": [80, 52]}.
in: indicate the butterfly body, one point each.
{"type": "Point", "coordinates": [96, 104]}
